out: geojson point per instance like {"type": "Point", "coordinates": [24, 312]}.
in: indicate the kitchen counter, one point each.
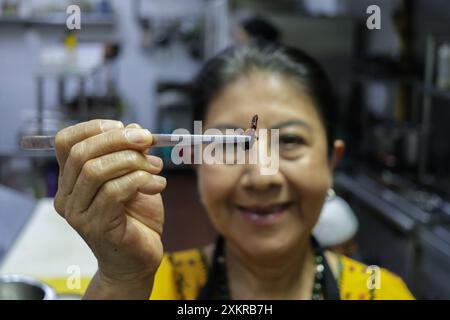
{"type": "Point", "coordinates": [48, 248]}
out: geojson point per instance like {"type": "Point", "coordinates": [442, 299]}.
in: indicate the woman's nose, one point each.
{"type": "Point", "coordinates": [255, 174]}
{"type": "Point", "coordinates": [253, 179]}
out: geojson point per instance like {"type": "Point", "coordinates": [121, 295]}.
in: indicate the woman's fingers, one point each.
{"type": "Point", "coordinates": [96, 146]}
{"type": "Point", "coordinates": [138, 209]}
{"type": "Point", "coordinates": [97, 171]}
{"type": "Point", "coordinates": [70, 136]}
{"type": "Point", "coordinates": [107, 206]}
{"type": "Point", "coordinates": [137, 126]}
{"type": "Point", "coordinates": [117, 192]}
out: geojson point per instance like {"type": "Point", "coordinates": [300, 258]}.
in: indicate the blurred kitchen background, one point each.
{"type": "Point", "coordinates": [135, 60]}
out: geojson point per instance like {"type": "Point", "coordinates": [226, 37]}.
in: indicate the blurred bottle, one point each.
{"type": "Point", "coordinates": [104, 7]}
{"type": "Point", "coordinates": [443, 67]}
{"type": "Point", "coordinates": [10, 8]}
{"type": "Point", "coordinates": [70, 44]}
{"type": "Point", "coordinates": [24, 8]}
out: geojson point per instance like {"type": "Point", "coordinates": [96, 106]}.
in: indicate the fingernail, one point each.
{"type": "Point", "coordinates": [107, 125]}
{"type": "Point", "coordinates": [134, 125]}
{"type": "Point", "coordinates": [138, 135]}
{"type": "Point", "coordinates": [155, 161]}
{"type": "Point", "coordinates": [161, 180]}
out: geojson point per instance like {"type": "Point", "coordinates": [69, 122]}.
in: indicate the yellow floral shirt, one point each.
{"type": "Point", "coordinates": [182, 275]}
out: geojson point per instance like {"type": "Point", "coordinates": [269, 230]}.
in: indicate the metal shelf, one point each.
{"type": "Point", "coordinates": [367, 78]}
{"type": "Point", "coordinates": [58, 20]}
{"type": "Point", "coordinates": [435, 92]}
{"type": "Point", "coordinates": [15, 152]}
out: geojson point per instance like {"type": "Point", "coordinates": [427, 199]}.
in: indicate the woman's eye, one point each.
{"type": "Point", "coordinates": [291, 140]}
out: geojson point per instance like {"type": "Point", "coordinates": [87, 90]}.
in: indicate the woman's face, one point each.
{"type": "Point", "coordinates": [268, 215]}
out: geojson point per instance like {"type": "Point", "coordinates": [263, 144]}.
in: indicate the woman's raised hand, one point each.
{"type": "Point", "coordinates": [109, 192]}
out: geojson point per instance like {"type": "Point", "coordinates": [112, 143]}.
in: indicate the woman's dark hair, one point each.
{"type": "Point", "coordinates": [236, 61]}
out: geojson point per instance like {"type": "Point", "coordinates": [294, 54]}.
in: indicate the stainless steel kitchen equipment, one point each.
{"type": "Point", "coordinates": [16, 287]}
{"type": "Point", "coordinates": [403, 227]}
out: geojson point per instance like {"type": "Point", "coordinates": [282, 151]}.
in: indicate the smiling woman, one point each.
{"type": "Point", "coordinates": [265, 249]}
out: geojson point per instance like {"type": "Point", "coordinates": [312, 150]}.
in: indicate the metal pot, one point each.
{"type": "Point", "coordinates": [15, 287]}
{"type": "Point", "coordinates": [410, 147]}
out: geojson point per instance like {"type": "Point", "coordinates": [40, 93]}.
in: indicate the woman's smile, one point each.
{"type": "Point", "coordinates": [264, 215]}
